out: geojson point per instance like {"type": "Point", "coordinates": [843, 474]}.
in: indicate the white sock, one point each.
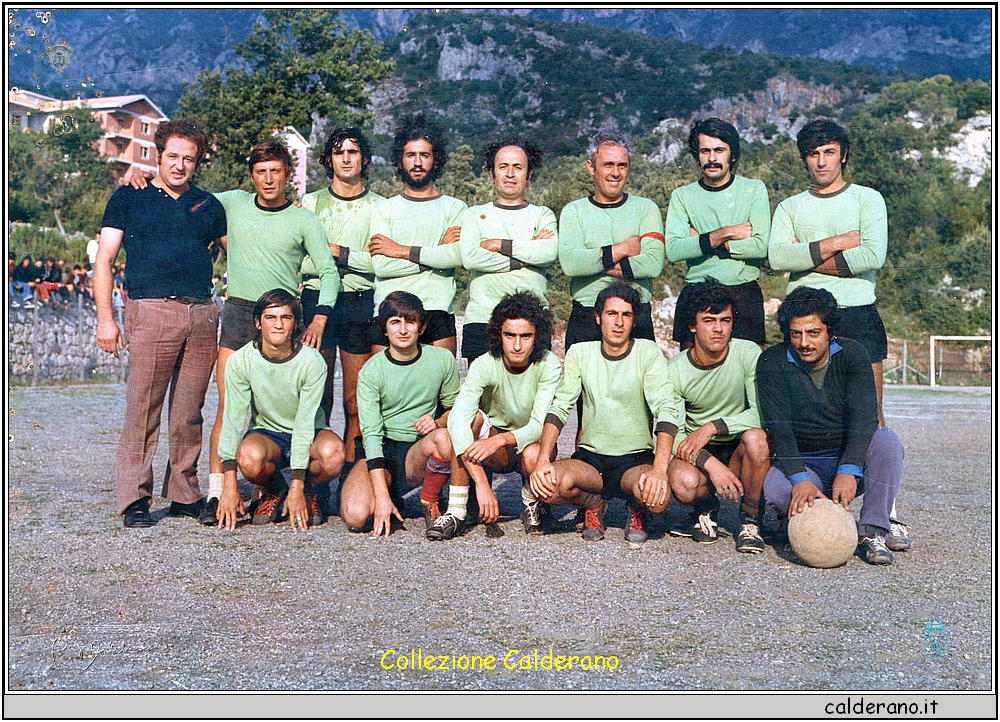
{"type": "Point", "coordinates": [216, 482]}
{"type": "Point", "coordinates": [527, 495]}
{"type": "Point", "coordinates": [458, 499]}
{"type": "Point", "coordinates": [892, 512]}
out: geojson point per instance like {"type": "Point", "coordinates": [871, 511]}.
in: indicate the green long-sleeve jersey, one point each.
{"type": "Point", "coordinates": [706, 209]}
{"type": "Point", "coordinates": [265, 248]}
{"type": "Point", "coordinates": [393, 394]}
{"type": "Point", "coordinates": [520, 264]}
{"type": "Point", "coordinates": [514, 402]}
{"type": "Point", "coordinates": [282, 395]}
{"type": "Point", "coordinates": [346, 222]}
{"type": "Point", "coordinates": [621, 396]}
{"type": "Point", "coordinates": [586, 227]}
{"type": "Point", "coordinates": [725, 393]}
{"type": "Point", "coordinates": [803, 220]}
{"type": "Point", "coordinates": [429, 272]}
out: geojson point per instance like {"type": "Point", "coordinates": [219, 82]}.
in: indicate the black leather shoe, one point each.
{"type": "Point", "coordinates": [191, 510]}
{"type": "Point", "coordinates": [207, 515]}
{"type": "Point", "coordinates": [137, 514]}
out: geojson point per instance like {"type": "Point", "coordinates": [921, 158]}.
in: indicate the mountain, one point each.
{"type": "Point", "coordinates": [155, 50]}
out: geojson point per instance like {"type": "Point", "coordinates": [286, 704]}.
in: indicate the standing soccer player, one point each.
{"type": "Point", "coordinates": [414, 241]}
{"type": "Point", "coordinates": [345, 208]}
{"type": "Point", "coordinates": [506, 244]}
{"type": "Point", "coordinates": [720, 226]}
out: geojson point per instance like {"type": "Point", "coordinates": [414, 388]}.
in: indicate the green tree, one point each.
{"type": "Point", "coordinates": [305, 67]}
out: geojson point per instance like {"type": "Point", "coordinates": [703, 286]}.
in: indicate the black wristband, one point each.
{"type": "Point", "coordinates": [507, 246]}
{"type": "Point", "coordinates": [703, 456]}
{"type": "Point", "coordinates": [607, 258]}
{"type": "Point", "coordinates": [842, 268]}
{"type": "Point", "coordinates": [414, 254]}
{"type": "Point", "coordinates": [626, 267]}
{"type": "Point", "coordinates": [555, 421]}
{"type": "Point", "coordinates": [229, 465]}
{"type": "Point", "coordinates": [705, 242]}
{"type": "Point", "coordinates": [342, 258]}
{"type": "Point", "coordinates": [665, 427]}
{"type": "Point", "coordinates": [379, 463]}
{"type": "Point", "coordinates": [298, 474]}
{"type": "Point", "coordinates": [816, 254]}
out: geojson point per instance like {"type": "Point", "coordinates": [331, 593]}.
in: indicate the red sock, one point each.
{"type": "Point", "coordinates": [435, 477]}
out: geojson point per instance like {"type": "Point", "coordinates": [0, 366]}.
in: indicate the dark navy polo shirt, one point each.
{"type": "Point", "coordinates": [166, 240]}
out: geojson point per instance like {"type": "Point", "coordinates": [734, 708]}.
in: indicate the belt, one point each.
{"type": "Point", "coordinates": [189, 300]}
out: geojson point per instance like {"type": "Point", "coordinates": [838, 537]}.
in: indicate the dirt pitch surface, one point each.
{"type": "Point", "coordinates": [94, 606]}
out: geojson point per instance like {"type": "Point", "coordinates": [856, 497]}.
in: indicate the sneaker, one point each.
{"type": "Point", "coordinates": [634, 532]}
{"type": "Point", "coordinates": [314, 510]}
{"type": "Point", "coordinates": [15, 304]}
{"type": "Point", "coordinates": [208, 512]}
{"type": "Point", "coordinates": [898, 540]}
{"type": "Point", "coordinates": [29, 304]}
{"type": "Point", "coordinates": [593, 523]}
{"type": "Point", "coordinates": [875, 551]}
{"type": "Point", "coordinates": [445, 527]}
{"type": "Point", "coordinates": [749, 540]}
{"type": "Point", "coordinates": [431, 513]}
{"type": "Point", "coordinates": [269, 507]}
{"type": "Point", "coordinates": [532, 517]}
{"type": "Point", "coordinates": [192, 510]}
{"type": "Point", "coordinates": [705, 530]}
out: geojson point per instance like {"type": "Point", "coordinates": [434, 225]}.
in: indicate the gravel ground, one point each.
{"type": "Point", "coordinates": [94, 606]}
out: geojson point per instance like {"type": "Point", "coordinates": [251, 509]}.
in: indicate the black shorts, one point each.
{"type": "Point", "coordinates": [283, 440]}
{"type": "Point", "coordinates": [612, 468]}
{"type": "Point", "coordinates": [582, 326]}
{"type": "Point", "coordinates": [748, 314]}
{"type": "Point", "coordinates": [237, 327]}
{"type": "Point", "coordinates": [310, 298]}
{"type": "Point", "coordinates": [440, 324]}
{"type": "Point", "coordinates": [354, 322]}
{"type": "Point", "coordinates": [475, 342]}
{"type": "Point", "coordinates": [723, 452]}
{"type": "Point", "coordinates": [395, 456]}
{"type": "Point", "coordinates": [864, 325]}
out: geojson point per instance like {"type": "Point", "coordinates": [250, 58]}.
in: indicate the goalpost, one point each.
{"type": "Point", "coordinates": [935, 339]}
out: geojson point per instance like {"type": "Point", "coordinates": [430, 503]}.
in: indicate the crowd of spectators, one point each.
{"type": "Point", "coordinates": [50, 281]}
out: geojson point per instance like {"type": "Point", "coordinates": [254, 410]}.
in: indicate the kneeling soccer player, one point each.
{"type": "Point", "coordinates": [718, 434]}
{"type": "Point", "coordinates": [624, 384]}
{"type": "Point", "coordinates": [280, 381]}
{"type": "Point", "coordinates": [514, 382]}
{"type": "Point", "coordinates": [401, 392]}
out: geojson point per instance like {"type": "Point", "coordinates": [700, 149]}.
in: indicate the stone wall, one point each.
{"type": "Point", "coordinates": [53, 344]}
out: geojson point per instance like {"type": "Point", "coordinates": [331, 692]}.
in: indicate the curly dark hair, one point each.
{"type": "Point", "coordinates": [523, 305]}
{"type": "Point", "coordinates": [277, 297]}
{"type": "Point", "coordinates": [400, 303]}
{"type": "Point", "coordinates": [417, 127]}
{"type": "Point", "coordinates": [708, 295]}
{"type": "Point", "coordinates": [336, 139]}
{"type": "Point", "coordinates": [715, 128]}
{"type": "Point", "coordinates": [618, 289]}
{"type": "Point", "coordinates": [531, 150]}
{"type": "Point", "coordinates": [180, 129]}
{"type": "Point", "coordinates": [804, 301]}
{"type": "Point", "coordinates": [821, 132]}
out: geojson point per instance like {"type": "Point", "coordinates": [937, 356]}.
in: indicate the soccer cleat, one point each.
{"type": "Point", "coordinates": [898, 539]}
{"type": "Point", "coordinates": [705, 530]}
{"type": "Point", "coordinates": [314, 510]}
{"type": "Point", "coordinates": [269, 507]}
{"type": "Point", "coordinates": [208, 512]}
{"type": "Point", "coordinates": [593, 523]}
{"type": "Point", "coordinates": [445, 527]}
{"type": "Point", "coordinates": [749, 540]}
{"type": "Point", "coordinates": [532, 517]}
{"type": "Point", "coordinates": [431, 512]}
{"type": "Point", "coordinates": [875, 551]}
{"type": "Point", "coordinates": [634, 532]}
{"type": "Point", "coordinates": [686, 528]}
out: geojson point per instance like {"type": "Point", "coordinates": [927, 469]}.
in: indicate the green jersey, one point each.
{"type": "Point", "coordinates": [393, 394]}
{"type": "Point", "coordinates": [429, 272]}
{"type": "Point", "coordinates": [281, 395]}
{"type": "Point", "coordinates": [587, 227]}
{"type": "Point", "coordinates": [514, 402]}
{"type": "Point", "coordinates": [346, 222]}
{"type": "Point", "coordinates": [725, 393]}
{"type": "Point", "coordinates": [706, 209]}
{"type": "Point", "coordinates": [621, 396]}
{"type": "Point", "coordinates": [520, 263]}
{"type": "Point", "coordinates": [265, 248]}
{"type": "Point", "coordinates": [803, 220]}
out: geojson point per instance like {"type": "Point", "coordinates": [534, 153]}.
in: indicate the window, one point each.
{"type": "Point", "coordinates": [145, 128]}
{"type": "Point", "coordinates": [144, 153]}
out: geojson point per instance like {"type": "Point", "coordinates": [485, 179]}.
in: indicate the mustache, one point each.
{"type": "Point", "coordinates": [707, 166]}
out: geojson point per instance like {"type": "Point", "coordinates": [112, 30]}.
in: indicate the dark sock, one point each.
{"type": "Point", "coordinates": [752, 507]}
